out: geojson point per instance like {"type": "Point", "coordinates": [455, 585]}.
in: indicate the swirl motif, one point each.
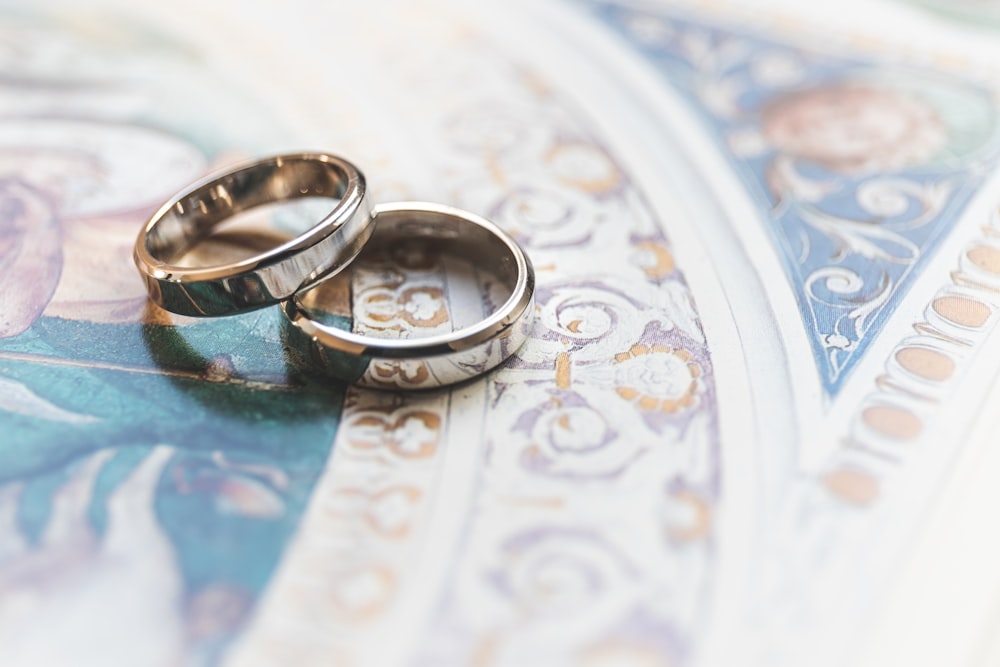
{"type": "Point", "coordinates": [892, 199]}
{"type": "Point", "coordinates": [589, 316]}
{"type": "Point", "coordinates": [559, 574]}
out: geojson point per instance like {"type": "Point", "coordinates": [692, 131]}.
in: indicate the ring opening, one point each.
{"type": "Point", "coordinates": [247, 212]}
{"type": "Point", "coordinates": [421, 274]}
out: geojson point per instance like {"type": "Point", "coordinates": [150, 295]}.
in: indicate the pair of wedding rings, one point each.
{"type": "Point", "coordinates": [289, 273]}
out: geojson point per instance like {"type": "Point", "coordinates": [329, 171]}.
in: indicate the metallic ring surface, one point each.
{"type": "Point", "coordinates": [271, 276]}
{"type": "Point", "coordinates": [432, 361]}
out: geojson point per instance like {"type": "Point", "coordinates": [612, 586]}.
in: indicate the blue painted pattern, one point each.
{"type": "Point", "coordinates": [858, 167]}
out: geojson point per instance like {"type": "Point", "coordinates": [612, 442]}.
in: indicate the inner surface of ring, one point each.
{"type": "Point", "coordinates": [421, 274]}
{"type": "Point", "coordinates": [195, 216]}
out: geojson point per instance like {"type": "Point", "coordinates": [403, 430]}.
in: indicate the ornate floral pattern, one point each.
{"type": "Point", "coordinates": [857, 169]}
{"type": "Point", "coordinates": [616, 380]}
{"type": "Point", "coordinates": [586, 469]}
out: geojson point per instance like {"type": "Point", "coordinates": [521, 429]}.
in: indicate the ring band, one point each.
{"type": "Point", "coordinates": [433, 361]}
{"type": "Point", "coordinates": [269, 277]}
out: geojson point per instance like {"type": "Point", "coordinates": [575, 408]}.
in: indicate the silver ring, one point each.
{"type": "Point", "coordinates": [426, 362]}
{"type": "Point", "coordinates": [271, 276]}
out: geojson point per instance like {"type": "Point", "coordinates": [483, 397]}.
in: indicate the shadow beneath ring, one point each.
{"type": "Point", "coordinates": [252, 378]}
